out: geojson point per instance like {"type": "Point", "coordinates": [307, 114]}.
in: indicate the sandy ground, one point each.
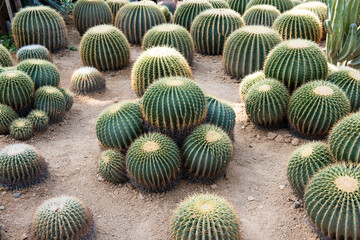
{"type": "Point", "coordinates": [255, 183]}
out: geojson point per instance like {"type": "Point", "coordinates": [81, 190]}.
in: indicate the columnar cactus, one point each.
{"type": "Point", "coordinates": [39, 120]}
{"type": "Point", "coordinates": [50, 100]}
{"type": "Point", "coordinates": [219, 3]}
{"type": "Point", "coordinates": [112, 166]}
{"type": "Point", "coordinates": [90, 13]}
{"type": "Point", "coordinates": [153, 162]}
{"type": "Point", "coordinates": [7, 116]}
{"type": "Point", "coordinates": [21, 129]}
{"type": "Point", "coordinates": [211, 28]}
{"type": "Point", "coordinates": [156, 63]}
{"type": "Point", "coordinates": [246, 49]}
{"type": "Point", "coordinates": [135, 18]}
{"type": "Point", "coordinates": [35, 51]}
{"type": "Point", "coordinates": [62, 218]}
{"type": "Point", "coordinates": [238, 5]}
{"type": "Point", "coordinates": [115, 6]}
{"type": "Point", "coordinates": [282, 5]}
{"type": "Point", "coordinates": [5, 57]}
{"type": "Point", "coordinates": [69, 98]}
{"type": "Point", "coordinates": [208, 217]}
{"type": "Point", "coordinates": [261, 15]}
{"type": "Point", "coordinates": [105, 47]}
{"type": "Point", "coordinates": [248, 81]}
{"type": "Point", "coordinates": [39, 25]}
{"type": "Point", "coordinates": [316, 106]}
{"type": "Point", "coordinates": [87, 79]}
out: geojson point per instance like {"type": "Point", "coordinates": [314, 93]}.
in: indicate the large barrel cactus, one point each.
{"type": "Point", "coordinates": [282, 5]}
{"type": "Point", "coordinates": [39, 25]}
{"type": "Point", "coordinates": [238, 5]}
{"type": "Point", "coordinates": [87, 79]}
{"type": "Point", "coordinates": [248, 81]}
{"type": "Point", "coordinates": [35, 51]}
{"type": "Point", "coordinates": [261, 15]}
{"type": "Point", "coordinates": [5, 57]}
{"type": "Point", "coordinates": [115, 6]}
{"type": "Point", "coordinates": [219, 3]}
{"type": "Point", "coordinates": [21, 129]}
{"type": "Point", "coordinates": [246, 49]}
{"type": "Point", "coordinates": [7, 116]}
{"type": "Point", "coordinates": [211, 28]}
{"type": "Point", "coordinates": [52, 101]}
{"type": "Point", "coordinates": [112, 166]}
{"type": "Point", "coordinates": [136, 18]}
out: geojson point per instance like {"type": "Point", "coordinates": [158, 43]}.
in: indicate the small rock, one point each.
{"type": "Point", "coordinates": [2, 207]}
{"type": "Point", "coordinates": [279, 139]}
{"type": "Point", "coordinates": [16, 195]}
{"type": "Point", "coordinates": [141, 196]}
{"type": "Point", "coordinates": [34, 194]}
{"type": "Point", "coordinates": [295, 142]}
{"type": "Point", "coordinates": [258, 137]}
{"type": "Point", "coordinates": [213, 186]}
{"type": "Point", "coordinates": [24, 237]}
{"type": "Point", "coordinates": [271, 136]}
{"type": "Point", "coordinates": [3, 193]}
{"type": "Point", "coordinates": [99, 216]}
{"type": "Point", "coordinates": [250, 198]}
{"type": "Point", "coordinates": [282, 187]}
{"type": "Point", "coordinates": [296, 204]}
{"type": "Point", "coordinates": [99, 178]}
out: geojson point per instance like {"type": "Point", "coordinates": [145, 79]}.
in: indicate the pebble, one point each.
{"type": "Point", "coordinates": [2, 207]}
{"type": "Point", "coordinates": [296, 204]}
{"type": "Point", "coordinates": [279, 139]}
{"type": "Point", "coordinates": [141, 196]}
{"type": "Point", "coordinates": [250, 198]}
{"type": "Point", "coordinates": [16, 195]}
{"type": "Point", "coordinates": [3, 193]}
{"type": "Point", "coordinates": [213, 186]}
{"type": "Point", "coordinates": [99, 178]}
{"type": "Point", "coordinates": [295, 142]}
{"type": "Point", "coordinates": [271, 135]}
{"type": "Point", "coordinates": [99, 216]}
{"type": "Point", "coordinates": [282, 187]}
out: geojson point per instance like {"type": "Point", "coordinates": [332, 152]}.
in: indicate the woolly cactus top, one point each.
{"type": "Point", "coordinates": [16, 149]}
{"type": "Point", "coordinates": [300, 13]}
{"type": "Point", "coordinates": [221, 12]}
{"type": "Point", "coordinates": [85, 71]}
{"type": "Point", "coordinates": [265, 7]}
{"type": "Point", "coordinates": [323, 91]}
{"type": "Point", "coordinates": [32, 47]}
{"type": "Point", "coordinates": [299, 43]}
{"type": "Point", "coordinates": [257, 29]}
{"type": "Point", "coordinates": [167, 27]}
{"type": "Point", "coordinates": [102, 29]}
{"type": "Point", "coordinates": [309, 5]}
{"type": "Point", "coordinates": [161, 52]}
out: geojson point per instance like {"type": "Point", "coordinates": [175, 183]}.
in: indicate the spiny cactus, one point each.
{"type": "Point", "coordinates": [5, 57]}
{"type": "Point", "coordinates": [119, 125]}
{"type": "Point", "coordinates": [266, 102]}
{"type": "Point", "coordinates": [332, 68]}
{"type": "Point", "coordinates": [115, 6]}
{"type": "Point", "coordinates": [188, 10]}
{"type": "Point", "coordinates": [21, 129]}
{"type": "Point", "coordinates": [344, 139]}
{"type": "Point", "coordinates": [205, 216]}
{"type": "Point", "coordinates": [69, 98]}
{"type": "Point", "coordinates": [219, 4]}
{"type": "Point", "coordinates": [21, 166]}
{"type": "Point", "coordinates": [171, 5]}
{"type": "Point", "coordinates": [42, 72]}
{"type": "Point", "coordinates": [282, 5]}
{"type": "Point", "coordinates": [261, 15]}
{"type": "Point", "coordinates": [153, 162]}
{"type": "Point", "coordinates": [156, 63]}
{"type": "Point", "coordinates": [62, 218]}
{"type": "Point", "coordinates": [7, 116]}
{"type": "Point", "coordinates": [305, 162]}
{"type": "Point", "coordinates": [87, 79]}
{"type": "Point", "coordinates": [50, 100]}
{"type": "Point", "coordinates": [135, 18]}
{"type": "Point", "coordinates": [323, 1]}
{"type": "Point", "coordinates": [316, 106]}
{"type": "Point", "coordinates": [90, 13]}
{"type": "Point", "coordinates": [296, 2]}
{"type": "Point", "coordinates": [39, 25]}
{"type": "Point", "coordinates": [304, 58]}
{"type": "Point", "coordinates": [319, 8]}
{"type": "Point", "coordinates": [39, 120]}
{"type": "Point", "coordinates": [238, 5]}
{"type": "Point", "coordinates": [246, 49]}
{"type": "Point", "coordinates": [211, 28]}
{"type": "Point", "coordinates": [170, 35]}
{"type": "Point", "coordinates": [248, 81]}
{"type": "Point", "coordinates": [35, 51]}
{"type": "Point", "coordinates": [105, 47]}
{"type": "Point", "coordinates": [167, 13]}
{"type": "Point", "coordinates": [112, 166]}
{"type": "Point", "coordinates": [348, 79]}
{"type": "Point", "coordinates": [332, 201]}
{"type": "Point", "coordinates": [16, 89]}
{"type": "Point", "coordinates": [299, 23]}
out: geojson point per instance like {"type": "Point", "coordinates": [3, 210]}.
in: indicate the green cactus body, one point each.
{"type": "Point", "coordinates": [69, 98]}
{"type": "Point", "coordinates": [170, 35]}
{"type": "Point", "coordinates": [87, 79]}
{"type": "Point", "coordinates": [323, 1]}
{"type": "Point", "coordinates": [34, 51]}
{"type": "Point", "coordinates": [332, 201]}
{"type": "Point", "coordinates": [167, 13]}
{"type": "Point", "coordinates": [105, 47]}
{"type": "Point", "coordinates": [50, 100]}
{"type": "Point", "coordinates": [219, 3]}
{"type": "Point", "coordinates": [205, 216]}
{"type": "Point", "coordinates": [115, 6]}
{"type": "Point", "coordinates": [299, 23]}
{"type": "Point", "coordinates": [246, 49]}
{"type": "Point", "coordinates": [220, 114]}
{"type": "Point", "coordinates": [136, 18]}
{"type": "Point", "coordinates": [248, 81]}
{"type": "Point", "coordinates": [62, 218]}
{"type": "Point", "coordinates": [112, 166]}
{"type": "Point", "coordinates": [174, 105]}
{"type": "Point", "coordinates": [21, 166]}
{"type": "Point", "coordinates": [42, 72]}
{"type": "Point", "coordinates": [119, 125]}
{"type": "Point", "coordinates": [305, 162]}
{"type": "Point", "coordinates": [295, 62]}
{"type": "Point", "coordinates": [282, 5]}
{"type": "Point", "coordinates": [211, 28]}
{"type": "Point", "coordinates": [5, 57]}
{"type": "Point", "coordinates": [16, 89]}
{"type": "Point", "coordinates": [261, 15]}
{"type": "Point", "coordinates": [344, 139]}
{"type": "Point", "coordinates": [348, 79]}
{"type": "Point", "coordinates": [39, 120]}
{"type": "Point", "coordinates": [7, 116]}
{"type": "Point", "coordinates": [315, 107]}
{"type": "Point", "coordinates": [266, 102]}
{"type": "Point", "coordinates": [39, 25]}
{"type": "Point", "coordinates": [187, 11]}
{"type": "Point", "coordinates": [156, 63]}
{"type": "Point", "coordinates": [319, 8]}
{"type": "Point", "coordinates": [238, 5]}
{"type": "Point", "coordinates": [21, 129]}
{"type": "Point", "coordinates": [153, 162]}
{"type": "Point", "coordinates": [90, 13]}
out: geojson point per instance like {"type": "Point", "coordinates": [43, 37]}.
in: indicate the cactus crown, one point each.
{"type": "Point", "coordinates": [21, 129]}
{"type": "Point", "coordinates": [261, 15]}
{"type": "Point", "coordinates": [87, 79]}
{"type": "Point", "coordinates": [282, 5]}
{"type": "Point", "coordinates": [248, 81]}
{"type": "Point", "coordinates": [319, 8]}
{"type": "Point", "coordinates": [33, 51]}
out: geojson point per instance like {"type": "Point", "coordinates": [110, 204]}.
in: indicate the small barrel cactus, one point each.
{"type": "Point", "coordinates": [305, 162]}
{"type": "Point", "coordinates": [39, 25]}
{"type": "Point", "coordinates": [115, 6]}
{"type": "Point", "coordinates": [5, 57]}
{"type": "Point", "coordinates": [266, 102]}
{"type": "Point", "coordinates": [21, 129]}
{"type": "Point", "coordinates": [211, 28]}
{"type": "Point", "coordinates": [39, 120]}
{"type": "Point", "coordinates": [261, 15]}
{"type": "Point", "coordinates": [34, 51]}
{"type": "Point", "coordinates": [153, 162]}
{"type": "Point", "coordinates": [305, 59]}
{"type": "Point", "coordinates": [246, 49]}
{"type": "Point", "coordinates": [69, 98]}
{"type": "Point", "coordinates": [7, 116]}
{"type": "Point", "coordinates": [238, 5]}
{"type": "Point", "coordinates": [90, 13]}
{"type": "Point", "coordinates": [248, 81]}
{"type": "Point", "coordinates": [112, 166]}
{"type": "Point", "coordinates": [42, 72]}
{"type": "Point", "coordinates": [332, 201]}
{"type": "Point", "coordinates": [170, 35]}
{"type": "Point", "coordinates": [316, 106]}
{"type": "Point", "coordinates": [207, 152]}
{"type": "Point", "coordinates": [21, 166]}
{"type": "Point", "coordinates": [119, 125]}
{"type": "Point", "coordinates": [50, 100]}
{"type": "Point", "coordinates": [219, 3]}
{"type": "Point", "coordinates": [87, 79]}
{"type": "Point", "coordinates": [209, 216]}
{"type": "Point", "coordinates": [167, 14]}
{"type": "Point", "coordinates": [187, 11]}
{"type": "Point", "coordinates": [344, 139]}
{"type": "Point", "coordinates": [282, 5]}
{"type": "Point", "coordinates": [319, 8]}
{"type": "Point", "coordinates": [62, 218]}
{"type": "Point", "coordinates": [135, 18]}
{"type": "Point", "coordinates": [105, 47]}
{"type": "Point", "coordinates": [156, 63]}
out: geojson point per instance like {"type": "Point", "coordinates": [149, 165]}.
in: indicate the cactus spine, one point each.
{"type": "Point", "coordinates": [115, 6]}
{"type": "Point", "coordinates": [261, 15]}
{"type": "Point", "coordinates": [34, 51]}
{"type": "Point", "coordinates": [7, 116]}
{"type": "Point", "coordinates": [112, 166]}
